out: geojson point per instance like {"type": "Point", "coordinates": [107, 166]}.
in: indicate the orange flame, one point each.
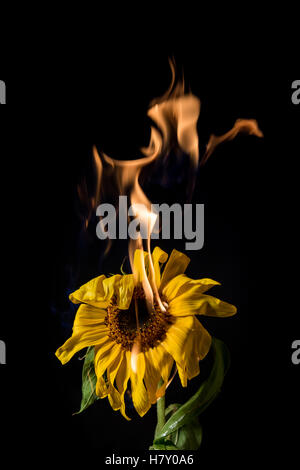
{"type": "Point", "coordinates": [246, 126]}
{"type": "Point", "coordinates": [175, 114]}
{"type": "Point", "coordinates": [127, 177]}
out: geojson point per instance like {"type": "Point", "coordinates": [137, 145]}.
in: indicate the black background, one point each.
{"type": "Point", "coordinates": [249, 188]}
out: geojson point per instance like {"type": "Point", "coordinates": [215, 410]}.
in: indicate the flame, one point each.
{"type": "Point", "coordinates": [177, 119]}
{"type": "Point", "coordinates": [136, 347]}
{"type": "Point", "coordinates": [246, 126]}
{"type": "Point", "coordinates": [148, 218]}
{"type": "Point", "coordinates": [126, 175]}
{"type": "Point", "coordinates": [175, 116]}
{"type": "Point", "coordinates": [90, 202]}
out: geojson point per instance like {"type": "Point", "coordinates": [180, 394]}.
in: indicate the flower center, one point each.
{"type": "Point", "coordinates": [152, 325]}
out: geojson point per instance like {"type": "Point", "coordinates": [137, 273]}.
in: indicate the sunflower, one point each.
{"type": "Point", "coordinates": [106, 319]}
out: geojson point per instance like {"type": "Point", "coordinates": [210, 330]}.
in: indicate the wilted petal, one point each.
{"type": "Point", "coordinates": [192, 302]}
{"type": "Point", "coordinates": [176, 265]}
{"type": "Point", "coordinates": [139, 393]}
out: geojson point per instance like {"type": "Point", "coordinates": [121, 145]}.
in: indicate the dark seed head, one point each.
{"type": "Point", "coordinates": [151, 328]}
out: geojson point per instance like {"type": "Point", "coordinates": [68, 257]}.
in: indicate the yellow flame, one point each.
{"type": "Point", "coordinates": [135, 351]}
{"type": "Point", "coordinates": [175, 115]}
{"type": "Point", "coordinates": [136, 348]}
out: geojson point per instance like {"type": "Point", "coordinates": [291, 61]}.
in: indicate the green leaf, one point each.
{"type": "Point", "coordinates": [163, 445]}
{"type": "Point", "coordinates": [189, 436]}
{"type": "Point", "coordinates": [89, 381]}
{"type": "Point", "coordinates": [171, 409]}
{"type": "Point", "coordinates": [207, 392]}
{"type": "Point", "coordinates": [168, 412]}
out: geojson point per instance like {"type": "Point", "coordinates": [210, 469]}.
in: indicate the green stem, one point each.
{"type": "Point", "coordinates": [161, 419]}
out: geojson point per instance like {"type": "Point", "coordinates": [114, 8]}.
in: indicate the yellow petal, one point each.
{"type": "Point", "coordinates": [111, 286]}
{"type": "Point", "coordinates": [101, 388]}
{"type": "Point", "coordinates": [203, 284]}
{"type": "Point", "coordinates": [201, 340]}
{"type": "Point", "coordinates": [176, 338]}
{"type": "Point", "coordinates": [139, 394]}
{"type": "Point", "coordinates": [192, 302]}
{"type": "Point", "coordinates": [96, 292]}
{"type": "Point", "coordinates": [122, 378]}
{"type": "Point", "coordinates": [124, 291]}
{"type": "Point", "coordinates": [114, 395]}
{"type": "Point", "coordinates": [99, 291]}
{"type": "Point", "coordinates": [77, 342]}
{"type": "Point", "coordinates": [152, 377]}
{"type": "Point", "coordinates": [162, 361]}
{"type": "Point", "coordinates": [182, 375]}
{"type": "Point", "coordinates": [105, 354]}
{"type": "Point", "coordinates": [114, 367]}
{"type": "Point", "coordinates": [123, 373]}
{"type": "Point", "coordinates": [176, 265]}
{"type": "Point", "coordinates": [89, 330]}
{"type": "Point", "coordinates": [182, 283]}
{"type": "Point", "coordinates": [89, 318]}
{"type": "Point", "coordinates": [196, 348]}
{"type": "Point", "coordinates": [114, 398]}
{"type": "Point", "coordinates": [158, 364]}
{"type": "Point", "coordinates": [159, 257]}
